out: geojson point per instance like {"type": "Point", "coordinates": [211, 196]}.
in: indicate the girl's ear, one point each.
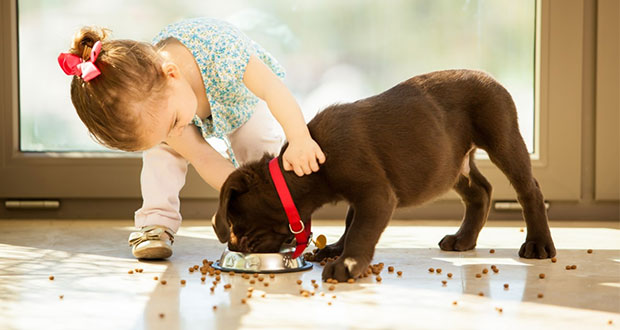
{"type": "Point", "coordinates": [171, 70]}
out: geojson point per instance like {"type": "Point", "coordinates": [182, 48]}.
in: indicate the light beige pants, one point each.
{"type": "Point", "coordinates": [164, 170]}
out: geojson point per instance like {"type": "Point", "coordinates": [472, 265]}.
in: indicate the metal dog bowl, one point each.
{"type": "Point", "coordinates": [281, 262]}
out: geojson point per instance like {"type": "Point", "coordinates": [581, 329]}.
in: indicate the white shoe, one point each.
{"type": "Point", "coordinates": [152, 242]}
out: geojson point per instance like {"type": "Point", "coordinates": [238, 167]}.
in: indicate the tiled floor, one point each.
{"type": "Point", "coordinates": [90, 262]}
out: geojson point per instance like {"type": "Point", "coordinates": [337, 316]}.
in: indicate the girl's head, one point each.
{"type": "Point", "coordinates": [131, 104]}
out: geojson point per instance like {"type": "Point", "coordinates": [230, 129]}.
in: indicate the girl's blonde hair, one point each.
{"type": "Point", "coordinates": [130, 72]}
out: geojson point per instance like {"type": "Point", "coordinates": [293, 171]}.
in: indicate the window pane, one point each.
{"type": "Point", "coordinates": [333, 51]}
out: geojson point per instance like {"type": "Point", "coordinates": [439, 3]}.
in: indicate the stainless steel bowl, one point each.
{"type": "Point", "coordinates": [281, 262]}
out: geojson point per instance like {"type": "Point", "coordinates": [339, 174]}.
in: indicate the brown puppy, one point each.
{"type": "Point", "coordinates": [405, 146]}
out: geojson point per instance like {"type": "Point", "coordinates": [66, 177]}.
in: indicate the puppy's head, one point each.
{"type": "Point", "coordinates": [250, 217]}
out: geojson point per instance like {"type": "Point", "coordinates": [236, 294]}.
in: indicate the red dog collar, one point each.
{"type": "Point", "coordinates": [295, 224]}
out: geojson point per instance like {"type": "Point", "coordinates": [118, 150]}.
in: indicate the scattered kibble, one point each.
{"type": "Point", "coordinates": [260, 278]}
{"type": "Point", "coordinates": [182, 282]}
{"type": "Point", "coordinates": [521, 230]}
{"type": "Point", "coordinates": [351, 280]}
{"type": "Point", "coordinates": [231, 273]}
{"type": "Point", "coordinates": [454, 303]}
{"type": "Point", "coordinates": [444, 282]}
{"type": "Point", "coordinates": [399, 273]}
{"type": "Point", "coordinates": [218, 278]}
{"type": "Point", "coordinates": [610, 322]}
{"type": "Point", "coordinates": [212, 289]}
{"type": "Point", "coordinates": [390, 269]}
{"type": "Point", "coordinates": [332, 288]}
{"type": "Point", "coordinates": [214, 307]}
{"type": "Point", "coordinates": [272, 275]}
{"type": "Point", "coordinates": [481, 294]}
{"type": "Point", "coordinates": [163, 282]}
{"type": "Point", "coordinates": [506, 285]}
{"type": "Point", "coordinates": [227, 286]}
{"type": "Point", "coordinates": [554, 259]}
{"type": "Point", "coordinates": [378, 278]}
{"type": "Point", "coordinates": [266, 283]}
{"type": "Point", "coordinates": [61, 296]}
{"type": "Point", "coordinates": [130, 272]}
{"type": "Point", "coordinates": [431, 269]}
{"type": "Point", "coordinates": [540, 295]}
{"type": "Point", "coordinates": [191, 269]}
{"type": "Point", "coordinates": [541, 275]}
{"type": "Point", "coordinates": [567, 267]}
{"type": "Point", "coordinates": [264, 294]}
{"type": "Point", "coordinates": [449, 275]}
{"type": "Point", "coordinates": [250, 289]}
{"type": "Point", "coordinates": [573, 267]}
{"type": "Point", "coordinates": [589, 250]}
{"type": "Point", "coordinates": [156, 278]}
{"type": "Point", "coordinates": [255, 275]}
{"type": "Point", "coordinates": [478, 275]}
{"type": "Point", "coordinates": [499, 309]}
{"type": "Point", "coordinates": [298, 282]}
{"type": "Point", "coordinates": [438, 270]}
{"type": "Point", "coordinates": [204, 278]}
{"type": "Point", "coordinates": [484, 271]}
{"type": "Point", "coordinates": [243, 301]}
{"type": "Point", "coordinates": [51, 277]}
{"type": "Point", "coordinates": [252, 281]}
{"type": "Point", "coordinates": [492, 251]}
{"type": "Point", "coordinates": [329, 303]}
{"type": "Point", "coordinates": [161, 315]}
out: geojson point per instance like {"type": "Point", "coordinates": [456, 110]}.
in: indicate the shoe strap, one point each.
{"type": "Point", "coordinates": [150, 233]}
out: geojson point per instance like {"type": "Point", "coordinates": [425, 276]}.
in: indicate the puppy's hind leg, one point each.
{"type": "Point", "coordinates": [335, 249]}
{"type": "Point", "coordinates": [475, 191]}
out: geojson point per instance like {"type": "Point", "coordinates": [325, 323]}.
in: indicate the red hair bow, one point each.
{"type": "Point", "coordinates": [74, 65]}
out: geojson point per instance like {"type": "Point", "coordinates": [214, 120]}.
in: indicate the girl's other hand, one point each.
{"type": "Point", "coordinates": [301, 156]}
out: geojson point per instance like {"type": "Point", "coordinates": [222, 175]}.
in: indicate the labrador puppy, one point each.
{"type": "Point", "coordinates": [403, 147]}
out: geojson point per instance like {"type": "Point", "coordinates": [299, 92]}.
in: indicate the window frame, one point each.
{"type": "Point", "coordinates": [556, 164]}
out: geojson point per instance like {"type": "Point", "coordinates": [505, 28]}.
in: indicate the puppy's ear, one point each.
{"type": "Point", "coordinates": [236, 183]}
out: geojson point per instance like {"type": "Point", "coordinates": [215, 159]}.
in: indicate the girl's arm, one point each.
{"type": "Point", "coordinates": [302, 152]}
{"type": "Point", "coordinates": [210, 164]}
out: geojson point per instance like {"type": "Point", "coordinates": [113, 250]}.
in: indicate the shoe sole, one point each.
{"type": "Point", "coordinates": [153, 252]}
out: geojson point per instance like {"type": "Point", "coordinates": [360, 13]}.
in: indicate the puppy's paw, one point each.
{"type": "Point", "coordinates": [344, 268]}
{"type": "Point", "coordinates": [329, 251]}
{"type": "Point", "coordinates": [457, 243]}
{"type": "Point", "coordinates": [537, 248]}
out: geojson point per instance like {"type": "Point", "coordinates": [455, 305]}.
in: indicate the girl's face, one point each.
{"type": "Point", "coordinates": [174, 112]}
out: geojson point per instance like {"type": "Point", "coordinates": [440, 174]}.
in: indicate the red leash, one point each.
{"type": "Point", "coordinates": [295, 224]}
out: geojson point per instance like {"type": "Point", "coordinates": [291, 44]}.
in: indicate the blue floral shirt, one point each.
{"type": "Point", "coordinates": [222, 53]}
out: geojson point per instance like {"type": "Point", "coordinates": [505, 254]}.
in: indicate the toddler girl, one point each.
{"type": "Point", "coordinates": [200, 78]}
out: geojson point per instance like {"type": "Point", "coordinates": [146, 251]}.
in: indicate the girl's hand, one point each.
{"type": "Point", "coordinates": [301, 156]}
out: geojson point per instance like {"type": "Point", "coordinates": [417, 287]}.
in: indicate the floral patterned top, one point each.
{"type": "Point", "coordinates": [222, 53]}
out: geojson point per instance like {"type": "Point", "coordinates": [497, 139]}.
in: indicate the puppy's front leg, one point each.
{"type": "Point", "coordinates": [369, 220]}
{"type": "Point", "coordinates": [335, 249]}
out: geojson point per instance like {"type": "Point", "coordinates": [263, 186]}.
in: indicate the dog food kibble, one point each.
{"type": "Point", "coordinates": [589, 251]}
{"type": "Point", "coordinates": [332, 288]}
{"type": "Point", "coordinates": [432, 270]}
{"type": "Point", "coordinates": [492, 251]}
{"type": "Point", "coordinates": [218, 277]}
{"type": "Point", "coordinates": [272, 275]}
{"type": "Point", "coordinates": [444, 282]}
{"type": "Point", "coordinates": [250, 289]}
{"type": "Point", "coordinates": [243, 301]}
{"type": "Point", "coordinates": [312, 281]}
{"type": "Point", "coordinates": [227, 286]}
{"type": "Point", "coordinates": [399, 273]}
{"type": "Point", "coordinates": [204, 278]}
{"type": "Point", "coordinates": [329, 303]}
{"type": "Point", "coordinates": [245, 276]}
{"type": "Point", "coordinates": [51, 277]}
{"type": "Point", "coordinates": [264, 294]}
{"type": "Point", "coordinates": [573, 267]}
{"type": "Point", "coordinates": [554, 259]}
{"type": "Point", "coordinates": [130, 272]}
{"type": "Point", "coordinates": [481, 294]}
{"type": "Point", "coordinates": [541, 275]}
{"type": "Point", "coordinates": [212, 288]}
{"type": "Point", "coordinates": [156, 278]}
{"type": "Point", "coordinates": [499, 309]}
{"type": "Point", "coordinates": [478, 275]}
{"type": "Point", "coordinates": [306, 294]}
{"type": "Point", "coordinates": [249, 294]}
{"type": "Point", "coordinates": [438, 270]}
{"type": "Point", "coordinates": [449, 275]}
{"type": "Point", "coordinates": [255, 275]}
{"type": "Point", "coordinates": [567, 267]}
{"type": "Point", "coordinates": [505, 285]}
{"type": "Point", "coordinates": [191, 269]}
{"type": "Point", "coordinates": [521, 230]}
{"type": "Point", "coordinates": [495, 270]}
{"type": "Point", "coordinates": [182, 282]}
{"type": "Point", "coordinates": [231, 273]}
{"type": "Point", "coordinates": [540, 295]}
{"type": "Point", "coordinates": [218, 272]}
{"type": "Point", "coordinates": [454, 303]}
{"type": "Point", "coordinates": [298, 282]}
{"type": "Point", "coordinates": [334, 297]}
{"type": "Point", "coordinates": [161, 315]}
{"type": "Point", "coordinates": [163, 282]}
{"type": "Point", "coordinates": [214, 307]}
{"type": "Point", "coordinates": [610, 322]}
{"type": "Point", "coordinates": [484, 271]}
{"type": "Point", "coordinates": [214, 283]}
{"type": "Point", "coordinates": [351, 280]}
{"type": "Point", "coordinates": [260, 278]}
{"type": "Point", "coordinates": [390, 269]}
{"type": "Point", "coordinates": [316, 286]}
{"type": "Point", "coordinates": [322, 263]}
{"type": "Point", "coordinates": [266, 283]}
{"type": "Point", "coordinates": [378, 278]}
{"type": "Point", "coordinates": [252, 281]}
